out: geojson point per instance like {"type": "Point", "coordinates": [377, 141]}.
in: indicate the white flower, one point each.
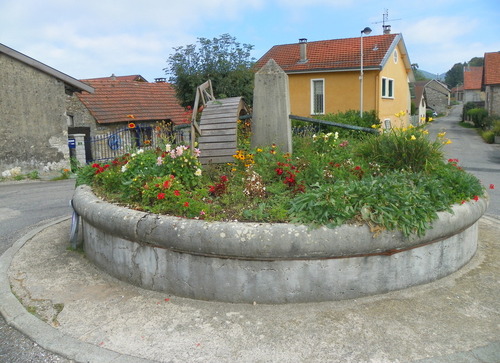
{"type": "Point", "coordinates": [336, 135]}
{"type": "Point", "coordinates": [197, 172]}
{"type": "Point", "coordinates": [140, 151]}
{"type": "Point", "coordinates": [168, 148]}
{"type": "Point", "coordinates": [159, 161]}
{"type": "Point", "coordinates": [6, 173]}
{"type": "Point", "coordinates": [124, 168]}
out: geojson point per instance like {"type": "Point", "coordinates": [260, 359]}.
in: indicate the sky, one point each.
{"type": "Point", "coordinates": [97, 38]}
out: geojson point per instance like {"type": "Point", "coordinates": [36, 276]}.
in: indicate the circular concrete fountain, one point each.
{"type": "Point", "coordinates": [270, 262]}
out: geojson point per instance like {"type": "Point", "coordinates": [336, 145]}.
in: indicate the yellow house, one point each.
{"type": "Point", "coordinates": [324, 76]}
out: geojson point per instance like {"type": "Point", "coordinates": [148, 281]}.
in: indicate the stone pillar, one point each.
{"type": "Point", "coordinates": [79, 147]}
{"type": "Point", "coordinates": [271, 108]}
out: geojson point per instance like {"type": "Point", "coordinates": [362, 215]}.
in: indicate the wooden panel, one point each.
{"type": "Point", "coordinates": [219, 145]}
{"type": "Point", "coordinates": [222, 132]}
{"type": "Point", "coordinates": [218, 152]}
{"type": "Point", "coordinates": [217, 160]}
{"type": "Point", "coordinates": [216, 138]}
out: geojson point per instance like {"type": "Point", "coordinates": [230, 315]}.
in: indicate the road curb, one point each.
{"type": "Point", "coordinates": [43, 334]}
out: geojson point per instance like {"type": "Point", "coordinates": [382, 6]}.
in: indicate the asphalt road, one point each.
{"type": "Point", "coordinates": [23, 206]}
{"type": "Point", "coordinates": [474, 155]}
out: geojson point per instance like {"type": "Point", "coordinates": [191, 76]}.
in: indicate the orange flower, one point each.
{"type": "Point", "coordinates": [147, 142]}
{"type": "Point", "coordinates": [131, 125]}
{"type": "Point", "coordinates": [131, 116]}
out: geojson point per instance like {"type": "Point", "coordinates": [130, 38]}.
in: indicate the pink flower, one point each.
{"type": "Point", "coordinates": [159, 161]}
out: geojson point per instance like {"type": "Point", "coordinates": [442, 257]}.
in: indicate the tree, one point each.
{"type": "Point", "coordinates": [476, 62]}
{"type": "Point", "coordinates": [419, 76]}
{"type": "Point", "coordinates": [455, 75]}
{"type": "Point", "coordinates": [223, 60]}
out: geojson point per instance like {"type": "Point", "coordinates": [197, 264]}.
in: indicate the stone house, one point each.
{"type": "Point", "coordinates": [472, 84]}
{"type": "Point", "coordinates": [437, 95]}
{"type": "Point", "coordinates": [104, 115]}
{"type": "Point", "coordinates": [491, 82]}
{"type": "Point", "coordinates": [33, 113]}
{"type": "Point", "coordinates": [324, 76]}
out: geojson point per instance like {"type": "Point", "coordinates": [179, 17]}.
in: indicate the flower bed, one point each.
{"type": "Point", "coordinates": [340, 218]}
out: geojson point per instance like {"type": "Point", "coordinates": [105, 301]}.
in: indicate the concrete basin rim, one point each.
{"type": "Point", "coordinates": [263, 241]}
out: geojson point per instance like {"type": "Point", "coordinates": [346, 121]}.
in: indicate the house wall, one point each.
{"type": "Point", "coordinates": [473, 96]}
{"type": "Point", "coordinates": [389, 107]}
{"type": "Point", "coordinates": [492, 103]}
{"type": "Point", "coordinates": [32, 118]}
{"type": "Point", "coordinates": [341, 92]}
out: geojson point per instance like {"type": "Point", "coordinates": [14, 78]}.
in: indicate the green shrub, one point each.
{"type": "Point", "coordinates": [488, 136]}
{"type": "Point", "coordinates": [402, 149]}
{"type": "Point", "coordinates": [478, 117]}
{"type": "Point", "coordinates": [350, 117]}
{"type": "Point", "coordinates": [496, 126]}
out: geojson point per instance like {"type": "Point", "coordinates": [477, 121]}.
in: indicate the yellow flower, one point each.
{"type": "Point", "coordinates": [447, 142]}
{"type": "Point", "coordinates": [431, 119]}
{"type": "Point", "coordinates": [413, 137]}
{"type": "Point", "coordinates": [425, 132]}
{"type": "Point", "coordinates": [441, 134]}
{"type": "Point", "coordinates": [259, 150]}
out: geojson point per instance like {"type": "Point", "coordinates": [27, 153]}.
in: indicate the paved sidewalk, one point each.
{"type": "Point", "coordinates": [88, 316]}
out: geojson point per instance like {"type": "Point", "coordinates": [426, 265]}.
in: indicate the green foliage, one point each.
{"type": "Point", "coordinates": [496, 125]}
{"type": "Point", "coordinates": [476, 62]}
{"type": "Point", "coordinates": [488, 136]}
{"type": "Point", "coordinates": [350, 117]}
{"type": "Point", "coordinates": [33, 175]}
{"type": "Point", "coordinates": [455, 75]}
{"type": "Point", "coordinates": [223, 60]}
{"type": "Point", "coordinates": [478, 117]}
{"type": "Point", "coordinates": [395, 180]}
{"type": "Point", "coordinates": [402, 149]}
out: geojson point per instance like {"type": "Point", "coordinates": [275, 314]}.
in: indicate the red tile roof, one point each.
{"type": "Point", "coordinates": [117, 97]}
{"type": "Point", "coordinates": [336, 54]}
{"type": "Point", "coordinates": [472, 78]}
{"type": "Point", "coordinates": [491, 68]}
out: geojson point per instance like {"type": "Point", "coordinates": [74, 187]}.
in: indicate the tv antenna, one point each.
{"type": "Point", "coordinates": [385, 18]}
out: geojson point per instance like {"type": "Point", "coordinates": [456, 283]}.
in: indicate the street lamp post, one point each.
{"type": "Point", "coordinates": [365, 31]}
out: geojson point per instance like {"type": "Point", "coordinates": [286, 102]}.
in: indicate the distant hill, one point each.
{"type": "Point", "coordinates": [429, 75]}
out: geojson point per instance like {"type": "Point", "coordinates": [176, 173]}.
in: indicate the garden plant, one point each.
{"type": "Point", "coordinates": [395, 180]}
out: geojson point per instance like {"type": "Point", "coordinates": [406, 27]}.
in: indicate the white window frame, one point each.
{"type": "Point", "coordinates": [395, 56]}
{"type": "Point", "coordinates": [313, 111]}
{"type": "Point", "coordinates": [387, 88]}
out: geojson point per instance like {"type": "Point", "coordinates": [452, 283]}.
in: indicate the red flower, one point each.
{"type": "Point", "coordinates": [463, 202]}
{"type": "Point", "coordinates": [166, 184]}
{"type": "Point", "coordinates": [177, 193]}
{"type": "Point", "coordinates": [279, 171]}
{"type": "Point", "coordinates": [186, 204]}
{"type": "Point", "coordinates": [476, 198]}
{"type": "Point", "coordinates": [131, 125]}
{"type": "Point", "coordinates": [492, 186]}
{"type": "Point", "coordinates": [223, 178]}
{"type": "Point", "coordinates": [161, 196]}
{"type": "Point", "coordinates": [95, 165]}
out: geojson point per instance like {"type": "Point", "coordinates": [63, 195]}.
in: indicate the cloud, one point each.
{"type": "Point", "coordinates": [439, 30]}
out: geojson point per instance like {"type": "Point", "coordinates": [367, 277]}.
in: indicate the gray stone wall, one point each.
{"type": "Point", "coordinates": [493, 100]}
{"type": "Point", "coordinates": [437, 99]}
{"type": "Point", "coordinates": [32, 118]}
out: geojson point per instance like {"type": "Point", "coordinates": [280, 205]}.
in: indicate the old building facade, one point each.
{"type": "Point", "coordinates": [33, 113]}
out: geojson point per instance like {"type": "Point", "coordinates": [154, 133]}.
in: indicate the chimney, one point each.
{"type": "Point", "coordinates": [387, 29]}
{"type": "Point", "coordinates": [303, 50]}
{"type": "Point", "coordinates": [113, 77]}
{"type": "Point", "coordinates": [160, 80]}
